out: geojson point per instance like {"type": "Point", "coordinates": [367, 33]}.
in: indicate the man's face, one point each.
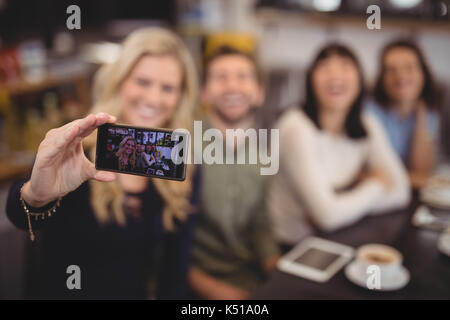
{"type": "Point", "coordinates": [138, 148]}
{"type": "Point", "coordinates": [232, 89]}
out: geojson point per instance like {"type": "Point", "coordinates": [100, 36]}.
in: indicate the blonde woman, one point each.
{"type": "Point", "coordinates": [126, 155]}
{"type": "Point", "coordinates": [115, 227]}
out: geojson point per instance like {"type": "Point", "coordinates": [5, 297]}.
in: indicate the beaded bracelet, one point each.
{"type": "Point", "coordinates": [36, 215]}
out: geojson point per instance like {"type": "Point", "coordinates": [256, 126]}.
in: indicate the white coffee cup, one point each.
{"type": "Point", "coordinates": [387, 259]}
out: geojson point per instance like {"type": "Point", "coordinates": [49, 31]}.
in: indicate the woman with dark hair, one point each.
{"type": "Point", "coordinates": [149, 155]}
{"type": "Point", "coordinates": [149, 149]}
{"type": "Point", "coordinates": [336, 165]}
{"type": "Point", "coordinates": [406, 99]}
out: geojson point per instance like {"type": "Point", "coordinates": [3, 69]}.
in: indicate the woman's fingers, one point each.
{"type": "Point", "coordinates": [107, 117]}
{"type": "Point", "coordinates": [90, 172]}
{"type": "Point", "coordinates": [91, 123]}
{"type": "Point", "coordinates": [63, 136]}
{"type": "Point", "coordinates": [59, 139]}
{"type": "Point", "coordinates": [104, 176]}
{"type": "Point", "coordinates": [55, 141]}
{"type": "Point", "coordinates": [87, 125]}
{"type": "Point", "coordinates": [69, 135]}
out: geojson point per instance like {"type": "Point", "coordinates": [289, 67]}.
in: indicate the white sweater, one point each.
{"type": "Point", "coordinates": [314, 164]}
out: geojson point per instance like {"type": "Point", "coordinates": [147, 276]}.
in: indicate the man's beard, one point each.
{"type": "Point", "coordinates": [250, 107]}
{"type": "Point", "coordinates": [232, 121]}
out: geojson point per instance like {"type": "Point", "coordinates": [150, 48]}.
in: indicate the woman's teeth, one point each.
{"type": "Point", "coordinates": [146, 112]}
{"type": "Point", "coordinates": [335, 90]}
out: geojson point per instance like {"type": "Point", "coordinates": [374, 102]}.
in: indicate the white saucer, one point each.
{"type": "Point", "coordinates": [444, 243]}
{"type": "Point", "coordinates": [353, 273]}
{"type": "Point", "coordinates": [436, 195]}
{"type": "Point", "coordinates": [436, 201]}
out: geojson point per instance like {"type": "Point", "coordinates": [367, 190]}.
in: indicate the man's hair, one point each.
{"type": "Point", "coordinates": [226, 50]}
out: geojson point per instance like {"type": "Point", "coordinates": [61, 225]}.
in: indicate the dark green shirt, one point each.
{"type": "Point", "coordinates": [233, 235]}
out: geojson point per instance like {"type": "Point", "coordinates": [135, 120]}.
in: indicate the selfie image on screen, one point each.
{"type": "Point", "coordinates": [139, 151]}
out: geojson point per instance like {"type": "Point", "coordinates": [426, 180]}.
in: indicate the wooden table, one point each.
{"type": "Point", "coordinates": [429, 269]}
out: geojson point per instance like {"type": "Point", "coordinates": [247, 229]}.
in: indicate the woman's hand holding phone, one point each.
{"type": "Point", "coordinates": [61, 166]}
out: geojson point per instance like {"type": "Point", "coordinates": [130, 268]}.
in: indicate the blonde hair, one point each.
{"type": "Point", "coordinates": [107, 197]}
{"type": "Point", "coordinates": [121, 153]}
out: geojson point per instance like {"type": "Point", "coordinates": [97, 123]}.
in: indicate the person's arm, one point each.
{"type": "Point", "coordinates": [17, 215]}
{"type": "Point", "coordinates": [148, 159]}
{"type": "Point", "coordinates": [328, 209]}
{"type": "Point", "coordinates": [176, 253]}
{"type": "Point", "coordinates": [422, 154]}
{"type": "Point", "coordinates": [382, 156]}
{"type": "Point", "coordinates": [175, 261]}
{"type": "Point", "coordinates": [262, 239]}
{"type": "Point", "coordinates": [60, 167]}
{"type": "Point", "coordinates": [203, 284]}
{"type": "Point", "coordinates": [210, 288]}
{"type": "Point", "coordinates": [15, 211]}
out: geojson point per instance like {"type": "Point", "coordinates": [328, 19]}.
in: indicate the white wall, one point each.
{"type": "Point", "coordinates": [294, 46]}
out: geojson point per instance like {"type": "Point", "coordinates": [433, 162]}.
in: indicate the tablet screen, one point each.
{"type": "Point", "coordinates": [316, 258]}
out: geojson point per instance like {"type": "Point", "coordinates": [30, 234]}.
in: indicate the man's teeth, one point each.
{"type": "Point", "coordinates": [234, 99]}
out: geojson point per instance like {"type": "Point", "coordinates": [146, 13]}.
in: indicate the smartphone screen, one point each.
{"type": "Point", "coordinates": [157, 153]}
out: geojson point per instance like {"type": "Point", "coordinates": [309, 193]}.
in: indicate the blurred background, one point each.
{"type": "Point", "coordinates": [46, 69]}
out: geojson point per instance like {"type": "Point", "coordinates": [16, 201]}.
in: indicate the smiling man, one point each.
{"type": "Point", "coordinates": [234, 248]}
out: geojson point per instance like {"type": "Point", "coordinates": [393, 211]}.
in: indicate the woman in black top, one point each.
{"type": "Point", "coordinates": [126, 155]}
{"type": "Point", "coordinates": [116, 228]}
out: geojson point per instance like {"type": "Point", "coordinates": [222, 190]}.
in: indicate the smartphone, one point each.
{"type": "Point", "coordinates": [156, 153]}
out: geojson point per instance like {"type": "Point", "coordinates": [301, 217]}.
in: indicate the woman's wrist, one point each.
{"type": "Point", "coordinates": [30, 204]}
{"type": "Point", "coordinates": [29, 197]}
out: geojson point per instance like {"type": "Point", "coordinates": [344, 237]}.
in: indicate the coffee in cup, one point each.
{"type": "Point", "coordinates": [387, 259]}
